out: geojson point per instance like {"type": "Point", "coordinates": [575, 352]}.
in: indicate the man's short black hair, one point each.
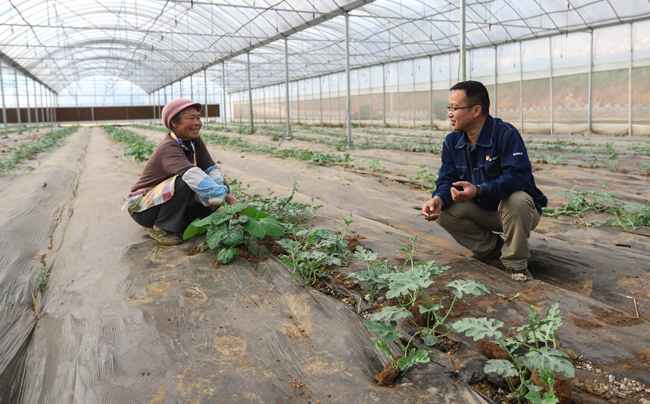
{"type": "Point", "coordinates": [476, 93]}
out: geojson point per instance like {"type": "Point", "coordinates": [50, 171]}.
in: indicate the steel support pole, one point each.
{"type": "Point", "coordinates": [223, 95]}
{"type": "Point", "coordinates": [43, 105]}
{"type": "Point", "coordinates": [550, 77]}
{"type": "Point", "coordinates": [320, 103]}
{"type": "Point", "coordinates": [397, 91]}
{"type": "Point", "coordinates": [298, 100]}
{"type": "Point", "coordinates": [630, 79]}
{"type": "Point", "coordinates": [462, 41]}
{"type": "Point", "coordinates": [496, 79]}
{"type": "Point", "coordinates": [521, 87]}
{"type": "Point", "coordinates": [286, 81]}
{"type": "Point", "coordinates": [20, 124]}
{"type": "Point", "coordinates": [29, 113]}
{"type": "Point", "coordinates": [4, 105]}
{"type": "Point", "coordinates": [48, 117]}
{"type": "Point", "coordinates": [591, 71]}
{"type": "Point", "coordinates": [250, 91]}
{"type": "Point", "coordinates": [383, 86]}
{"type": "Point", "coordinates": [413, 93]}
{"type": "Point", "coordinates": [55, 104]}
{"type": "Point", "coordinates": [370, 93]}
{"type": "Point", "coordinates": [347, 77]}
{"type": "Point", "coordinates": [431, 91]}
{"type": "Point", "coordinates": [35, 105]}
{"type": "Point", "coordinates": [359, 94]}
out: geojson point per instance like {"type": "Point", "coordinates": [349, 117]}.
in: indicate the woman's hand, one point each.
{"type": "Point", "coordinates": [230, 200]}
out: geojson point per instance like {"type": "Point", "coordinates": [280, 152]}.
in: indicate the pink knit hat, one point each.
{"type": "Point", "coordinates": [174, 107]}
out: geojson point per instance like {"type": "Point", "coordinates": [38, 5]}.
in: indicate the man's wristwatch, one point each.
{"type": "Point", "coordinates": [478, 191]}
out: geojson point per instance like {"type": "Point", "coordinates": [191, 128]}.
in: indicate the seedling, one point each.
{"type": "Point", "coordinates": [376, 166]}
{"type": "Point", "coordinates": [405, 286]}
{"type": "Point", "coordinates": [41, 279]}
{"type": "Point", "coordinates": [311, 250]}
{"type": "Point", "coordinates": [136, 145]}
{"type": "Point", "coordinates": [231, 226]}
{"type": "Point", "coordinates": [537, 338]}
{"type": "Point", "coordinates": [427, 177]}
{"type": "Point", "coordinates": [48, 141]}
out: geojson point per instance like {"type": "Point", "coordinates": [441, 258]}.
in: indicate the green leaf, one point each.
{"type": "Point", "coordinates": [381, 346]}
{"type": "Point", "coordinates": [193, 229]}
{"type": "Point", "coordinates": [469, 287]}
{"type": "Point", "coordinates": [214, 236]}
{"type": "Point", "coordinates": [433, 309]}
{"type": "Point", "coordinates": [233, 237]}
{"type": "Point", "coordinates": [266, 226]}
{"type": "Point", "coordinates": [414, 356]}
{"type": "Point", "coordinates": [218, 217]}
{"type": "Point", "coordinates": [429, 339]}
{"type": "Point", "coordinates": [387, 331]}
{"type": "Point", "coordinates": [254, 213]}
{"type": "Point", "coordinates": [364, 255]}
{"type": "Point", "coordinates": [232, 209]}
{"type": "Point", "coordinates": [401, 283]}
{"type": "Point", "coordinates": [390, 313]}
{"type": "Point", "coordinates": [478, 328]}
{"type": "Point", "coordinates": [226, 255]}
{"type": "Point", "coordinates": [552, 359]}
{"type": "Point", "coordinates": [501, 367]}
{"type": "Point", "coordinates": [535, 397]}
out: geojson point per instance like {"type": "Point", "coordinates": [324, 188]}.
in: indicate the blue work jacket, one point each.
{"type": "Point", "coordinates": [497, 162]}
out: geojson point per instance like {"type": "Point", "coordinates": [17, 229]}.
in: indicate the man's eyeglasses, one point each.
{"type": "Point", "coordinates": [452, 109]}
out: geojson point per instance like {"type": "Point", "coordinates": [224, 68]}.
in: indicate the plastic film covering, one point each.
{"type": "Point", "coordinates": [123, 319]}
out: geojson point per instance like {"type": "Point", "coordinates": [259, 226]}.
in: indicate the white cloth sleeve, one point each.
{"type": "Point", "coordinates": [208, 191]}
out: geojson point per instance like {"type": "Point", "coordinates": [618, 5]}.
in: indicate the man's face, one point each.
{"type": "Point", "coordinates": [188, 126]}
{"type": "Point", "coordinates": [460, 119]}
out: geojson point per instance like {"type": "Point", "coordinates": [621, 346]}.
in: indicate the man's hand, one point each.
{"type": "Point", "coordinates": [467, 194]}
{"type": "Point", "coordinates": [431, 209]}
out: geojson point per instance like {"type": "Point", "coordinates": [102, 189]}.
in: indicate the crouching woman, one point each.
{"type": "Point", "coordinates": [181, 181]}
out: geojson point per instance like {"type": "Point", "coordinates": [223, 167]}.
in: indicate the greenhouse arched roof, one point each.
{"type": "Point", "coordinates": [153, 43]}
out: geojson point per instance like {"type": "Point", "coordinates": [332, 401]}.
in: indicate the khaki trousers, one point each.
{"type": "Point", "coordinates": [473, 227]}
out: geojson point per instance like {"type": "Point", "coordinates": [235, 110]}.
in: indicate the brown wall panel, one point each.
{"type": "Point", "coordinates": [86, 114]}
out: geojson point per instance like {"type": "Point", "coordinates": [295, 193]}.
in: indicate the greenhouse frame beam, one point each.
{"type": "Point", "coordinates": [347, 76]}
{"type": "Point", "coordinates": [20, 124]}
{"type": "Point", "coordinates": [4, 105]}
{"type": "Point", "coordinates": [285, 34]}
{"type": "Point", "coordinates": [591, 71]}
{"type": "Point", "coordinates": [630, 78]}
{"type": "Point", "coordinates": [14, 65]}
{"type": "Point", "coordinates": [286, 83]}
{"type": "Point", "coordinates": [250, 92]}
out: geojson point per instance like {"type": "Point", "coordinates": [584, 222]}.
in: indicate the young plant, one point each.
{"type": "Point", "coordinates": [389, 333]}
{"type": "Point", "coordinates": [372, 276]}
{"type": "Point", "coordinates": [49, 141]}
{"type": "Point", "coordinates": [376, 166]}
{"type": "Point", "coordinates": [405, 286]}
{"type": "Point", "coordinates": [41, 279]}
{"type": "Point", "coordinates": [583, 201]}
{"type": "Point", "coordinates": [311, 250]}
{"type": "Point", "coordinates": [427, 178]}
{"type": "Point", "coordinates": [540, 354]}
{"type": "Point", "coordinates": [631, 217]}
{"type": "Point", "coordinates": [136, 145]}
{"type": "Point", "coordinates": [234, 225]}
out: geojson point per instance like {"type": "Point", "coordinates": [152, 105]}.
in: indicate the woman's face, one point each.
{"type": "Point", "coordinates": [188, 126]}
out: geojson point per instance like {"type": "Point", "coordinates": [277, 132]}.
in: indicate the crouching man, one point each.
{"type": "Point", "coordinates": [485, 185]}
